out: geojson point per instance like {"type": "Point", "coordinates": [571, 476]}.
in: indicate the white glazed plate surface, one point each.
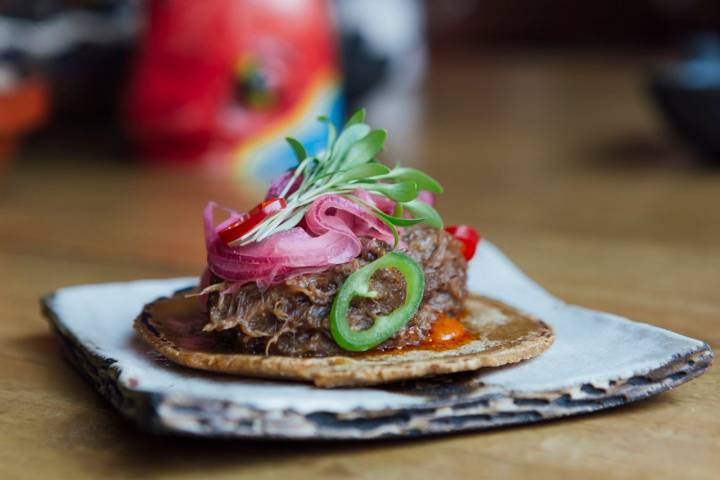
{"type": "Point", "coordinates": [598, 360]}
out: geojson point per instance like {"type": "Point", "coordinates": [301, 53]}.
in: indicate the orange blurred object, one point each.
{"type": "Point", "coordinates": [22, 107]}
{"type": "Point", "coordinates": [227, 80]}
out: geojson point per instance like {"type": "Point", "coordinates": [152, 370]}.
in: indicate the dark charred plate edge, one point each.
{"type": "Point", "coordinates": [103, 374]}
{"type": "Point", "coordinates": [482, 408]}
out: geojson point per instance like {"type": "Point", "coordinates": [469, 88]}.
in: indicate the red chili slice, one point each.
{"type": "Point", "coordinates": [259, 213]}
{"type": "Point", "coordinates": [468, 236]}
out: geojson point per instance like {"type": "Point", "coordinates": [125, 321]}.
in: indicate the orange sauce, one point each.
{"type": "Point", "coordinates": [446, 333]}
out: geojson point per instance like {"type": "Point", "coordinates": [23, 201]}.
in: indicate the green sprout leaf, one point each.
{"type": "Point", "coordinates": [399, 221]}
{"type": "Point", "coordinates": [366, 148]}
{"type": "Point", "coordinates": [361, 172]}
{"type": "Point", "coordinates": [347, 163]}
{"type": "Point", "coordinates": [347, 139]}
{"type": "Point", "coordinates": [393, 229]}
{"type": "Point", "coordinates": [419, 209]}
{"type": "Point", "coordinates": [400, 192]}
{"type": "Point", "coordinates": [357, 117]}
{"type": "Point", "coordinates": [297, 149]}
{"type": "Point", "coordinates": [423, 180]}
{"type": "Point", "coordinates": [332, 131]}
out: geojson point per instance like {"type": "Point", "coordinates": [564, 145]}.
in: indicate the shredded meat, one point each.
{"type": "Point", "coordinates": [292, 318]}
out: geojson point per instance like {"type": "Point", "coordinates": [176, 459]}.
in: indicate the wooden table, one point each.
{"type": "Point", "coordinates": [559, 159]}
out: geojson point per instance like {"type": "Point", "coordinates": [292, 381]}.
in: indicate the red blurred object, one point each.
{"type": "Point", "coordinates": [210, 75]}
{"type": "Point", "coordinates": [468, 236]}
{"type": "Point", "coordinates": [259, 213]}
{"type": "Point", "coordinates": [22, 107]}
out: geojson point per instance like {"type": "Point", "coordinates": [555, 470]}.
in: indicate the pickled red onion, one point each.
{"type": "Point", "coordinates": [331, 236]}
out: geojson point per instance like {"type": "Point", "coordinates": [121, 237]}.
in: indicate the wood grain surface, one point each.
{"type": "Point", "coordinates": [559, 159]}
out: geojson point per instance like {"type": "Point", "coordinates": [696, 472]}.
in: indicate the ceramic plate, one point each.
{"type": "Point", "coordinates": [598, 360]}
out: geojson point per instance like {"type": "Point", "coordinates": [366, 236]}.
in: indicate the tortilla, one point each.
{"type": "Point", "coordinates": [504, 335]}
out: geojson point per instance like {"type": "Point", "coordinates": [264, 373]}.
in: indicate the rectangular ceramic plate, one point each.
{"type": "Point", "coordinates": [598, 360]}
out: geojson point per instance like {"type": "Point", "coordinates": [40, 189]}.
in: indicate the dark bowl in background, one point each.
{"type": "Point", "coordinates": [688, 94]}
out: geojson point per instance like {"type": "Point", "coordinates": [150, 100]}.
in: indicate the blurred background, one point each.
{"type": "Point", "coordinates": [221, 82]}
{"type": "Point", "coordinates": [119, 119]}
{"type": "Point", "coordinates": [580, 137]}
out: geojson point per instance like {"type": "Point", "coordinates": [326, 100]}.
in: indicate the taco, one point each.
{"type": "Point", "coordinates": [344, 275]}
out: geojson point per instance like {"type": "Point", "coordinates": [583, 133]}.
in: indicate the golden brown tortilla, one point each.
{"type": "Point", "coordinates": [173, 327]}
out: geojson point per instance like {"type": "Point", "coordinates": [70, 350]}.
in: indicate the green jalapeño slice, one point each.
{"type": "Point", "coordinates": [385, 326]}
